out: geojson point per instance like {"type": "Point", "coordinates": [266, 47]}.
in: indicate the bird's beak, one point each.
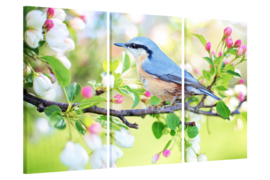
{"type": "Point", "coordinates": [120, 44]}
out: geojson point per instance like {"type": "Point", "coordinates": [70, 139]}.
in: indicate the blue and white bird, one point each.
{"type": "Point", "coordinates": [159, 74]}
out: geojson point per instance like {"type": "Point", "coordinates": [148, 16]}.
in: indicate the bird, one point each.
{"type": "Point", "coordinates": [160, 75]}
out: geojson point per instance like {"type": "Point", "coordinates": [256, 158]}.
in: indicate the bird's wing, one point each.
{"type": "Point", "coordinates": [167, 71]}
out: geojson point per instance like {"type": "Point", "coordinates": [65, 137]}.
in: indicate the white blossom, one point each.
{"type": "Point", "coordinates": [70, 44]}
{"type": "Point", "coordinates": [59, 14]}
{"type": "Point", "coordinates": [240, 88]}
{"type": "Point", "coordinates": [115, 153]}
{"type": "Point", "coordinates": [191, 159]}
{"type": "Point", "coordinates": [34, 22]}
{"type": "Point", "coordinates": [77, 24]}
{"type": "Point", "coordinates": [93, 141]}
{"type": "Point", "coordinates": [41, 84]}
{"type": "Point", "coordinates": [233, 102]}
{"type": "Point", "coordinates": [57, 35]}
{"type": "Point", "coordinates": [123, 138]}
{"type": "Point", "coordinates": [98, 159]}
{"type": "Point", "coordinates": [74, 156]}
{"type": "Point", "coordinates": [202, 158]}
{"type": "Point", "coordinates": [32, 37]}
{"type": "Point", "coordinates": [35, 19]}
{"type": "Point", "coordinates": [108, 80]}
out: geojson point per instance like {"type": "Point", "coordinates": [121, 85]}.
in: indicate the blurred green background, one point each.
{"type": "Point", "coordinates": [166, 33]}
{"type": "Point", "coordinates": [227, 139]}
{"type": "Point", "coordinates": [43, 144]}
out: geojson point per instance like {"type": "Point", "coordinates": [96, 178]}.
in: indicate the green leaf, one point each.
{"type": "Point", "coordinates": [133, 94]}
{"type": "Point", "coordinates": [217, 60]}
{"type": "Point", "coordinates": [192, 131]}
{"type": "Point", "coordinates": [61, 73]}
{"type": "Point", "coordinates": [136, 98]}
{"type": "Point", "coordinates": [233, 73]}
{"type": "Point", "coordinates": [209, 61]}
{"type": "Point", "coordinates": [73, 90]}
{"type": "Point", "coordinates": [232, 51]}
{"type": "Point", "coordinates": [154, 100]}
{"type": "Point", "coordinates": [116, 75]}
{"type": "Point", "coordinates": [212, 71]}
{"type": "Point", "coordinates": [172, 132]}
{"type": "Point", "coordinates": [80, 127]}
{"type": "Point", "coordinates": [201, 38]}
{"type": "Point", "coordinates": [126, 64]}
{"type": "Point", "coordinates": [86, 103]}
{"type": "Point", "coordinates": [206, 75]}
{"type": "Point", "coordinates": [221, 88]}
{"type": "Point", "coordinates": [105, 65]}
{"type": "Point", "coordinates": [172, 121]}
{"type": "Point", "coordinates": [114, 65]}
{"type": "Point", "coordinates": [157, 129]}
{"type": "Point", "coordinates": [167, 145]}
{"type": "Point", "coordinates": [223, 110]}
{"type": "Point", "coordinates": [52, 109]}
{"type": "Point", "coordinates": [118, 83]}
{"type": "Point", "coordinates": [57, 120]}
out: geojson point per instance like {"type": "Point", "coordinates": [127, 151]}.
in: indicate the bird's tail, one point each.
{"type": "Point", "coordinates": [209, 94]}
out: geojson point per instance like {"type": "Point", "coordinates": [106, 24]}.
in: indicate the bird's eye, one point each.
{"type": "Point", "coordinates": [133, 45]}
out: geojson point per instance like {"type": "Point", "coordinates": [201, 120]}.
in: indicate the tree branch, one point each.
{"type": "Point", "coordinates": [41, 105]}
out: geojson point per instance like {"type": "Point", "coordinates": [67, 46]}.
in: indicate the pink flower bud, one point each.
{"type": "Point", "coordinates": [119, 98]}
{"type": "Point", "coordinates": [220, 53]}
{"type": "Point", "coordinates": [48, 24]}
{"type": "Point", "coordinates": [155, 158]}
{"type": "Point", "coordinates": [208, 46]}
{"type": "Point", "coordinates": [229, 43]}
{"type": "Point", "coordinates": [244, 48]}
{"type": "Point", "coordinates": [166, 152]}
{"type": "Point", "coordinates": [238, 43]}
{"type": "Point", "coordinates": [233, 64]}
{"type": "Point", "coordinates": [241, 96]}
{"type": "Point", "coordinates": [52, 77]}
{"type": "Point", "coordinates": [226, 61]}
{"type": "Point", "coordinates": [213, 53]}
{"type": "Point", "coordinates": [196, 70]}
{"type": "Point", "coordinates": [95, 128]}
{"type": "Point", "coordinates": [50, 13]}
{"type": "Point", "coordinates": [241, 81]}
{"type": "Point", "coordinates": [87, 92]}
{"type": "Point", "coordinates": [83, 18]}
{"type": "Point", "coordinates": [227, 31]}
{"type": "Point", "coordinates": [239, 51]}
{"type": "Point", "coordinates": [147, 94]}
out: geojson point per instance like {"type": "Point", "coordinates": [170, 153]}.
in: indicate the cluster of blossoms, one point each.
{"type": "Point", "coordinates": [191, 152]}
{"type": "Point", "coordinates": [227, 39]}
{"type": "Point", "coordinates": [75, 157]}
{"type": "Point", "coordinates": [47, 31]}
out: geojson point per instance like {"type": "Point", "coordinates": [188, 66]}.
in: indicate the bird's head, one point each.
{"type": "Point", "coordinates": [140, 47]}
